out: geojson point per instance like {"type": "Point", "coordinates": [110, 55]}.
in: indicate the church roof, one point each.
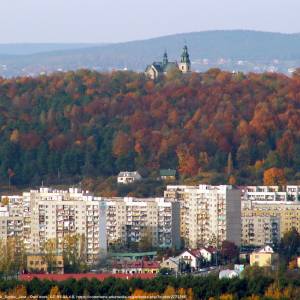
{"type": "Point", "coordinates": [169, 66]}
{"type": "Point", "coordinates": [158, 66]}
{"type": "Point", "coordinates": [162, 68]}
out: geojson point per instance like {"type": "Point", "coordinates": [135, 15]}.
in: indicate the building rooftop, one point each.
{"type": "Point", "coordinates": [167, 172]}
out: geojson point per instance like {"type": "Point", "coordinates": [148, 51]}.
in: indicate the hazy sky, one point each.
{"type": "Point", "coordinates": [122, 20]}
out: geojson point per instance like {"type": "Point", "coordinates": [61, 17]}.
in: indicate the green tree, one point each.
{"type": "Point", "coordinates": [74, 253]}
{"type": "Point", "coordinates": [145, 243]}
{"type": "Point", "coordinates": [290, 244]}
{"type": "Point", "coordinates": [49, 253]}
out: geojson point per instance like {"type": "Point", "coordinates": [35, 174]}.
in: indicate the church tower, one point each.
{"type": "Point", "coordinates": [165, 59]}
{"type": "Point", "coordinates": [185, 63]}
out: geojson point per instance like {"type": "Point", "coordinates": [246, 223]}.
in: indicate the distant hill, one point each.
{"type": "Point", "coordinates": [33, 48]}
{"type": "Point", "coordinates": [230, 50]}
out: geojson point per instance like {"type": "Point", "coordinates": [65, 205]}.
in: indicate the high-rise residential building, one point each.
{"type": "Point", "coordinates": [287, 213]}
{"type": "Point", "coordinates": [260, 230]}
{"type": "Point", "coordinates": [268, 212]}
{"type": "Point", "coordinates": [48, 214]}
{"type": "Point", "coordinates": [56, 214]}
{"type": "Point", "coordinates": [132, 220]}
{"type": "Point", "coordinates": [11, 221]}
{"type": "Point", "coordinates": [209, 214]}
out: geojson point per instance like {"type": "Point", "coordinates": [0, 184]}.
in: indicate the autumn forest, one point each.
{"type": "Point", "coordinates": [215, 127]}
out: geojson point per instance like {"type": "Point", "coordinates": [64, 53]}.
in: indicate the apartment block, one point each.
{"type": "Point", "coordinates": [56, 214]}
{"type": "Point", "coordinates": [288, 213]}
{"type": "Point", "coordinates": [11, 221]}
{"type": "Point", "coordinates": [260, 230]}
{"type": "Point", "coordinates": [289, 193]}
{"type": "Point", "coordinates": [209, 214]}
{"type": "Point", "coordinates": [129, 220]}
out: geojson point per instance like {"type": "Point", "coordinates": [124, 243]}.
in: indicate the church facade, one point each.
{"type": "Point", "coordinates": [157, 69]}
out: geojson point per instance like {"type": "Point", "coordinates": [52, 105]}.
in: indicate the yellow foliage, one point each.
{"type": "Point", "coordinates": [273, 292]}
{"type": "Point", "coordinates": [18, 292]}
{"type": "Point", "coordinates": [274, 176]}
{"type": "Point", "coordinates": [254, 297]}
{"type": "Point", "coordinates": [293, 264]}
{"type": "Point", "coordinates": [258, 165]}
{"type": "Point", "coordinates": [181, 291]}
{"type": "Point", "coordinates": [54, 293]}
{"type": "Point", "coordinates": [15, 136]}
{"type": "Point", "coordinates": [227, 297]}
{"type": "Point", "coordinates": [142, 294]}
{"type": "Point", "coordinates": [169, 291]}
{"type": "Point", "coordinates": [190, 294]}
{"type": "Point", "coordinates": [288, 292]}
{"type": "Point", "coordinates": [5, 201]}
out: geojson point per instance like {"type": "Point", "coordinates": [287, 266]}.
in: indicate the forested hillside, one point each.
{"type": "Point", "coordinates": [88, 124]}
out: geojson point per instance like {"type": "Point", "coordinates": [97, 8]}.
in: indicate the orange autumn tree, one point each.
{"type": "Point", "coordinates": [274, 176]}
{"type": "Point", "coordinates": [232, 180]}
{"type": "Point", "coordinates": [188, 164]}
{"type": "Point", "coordinates": [55, 294]}
{"type": "Point", "coordinates": [228, 297]}
{"type": "Point", "coordinates": [19, 292]}
{"type": "Point", "coordinates": [143, 295]}
{"type": "Point", "coordinates": [122, 144]}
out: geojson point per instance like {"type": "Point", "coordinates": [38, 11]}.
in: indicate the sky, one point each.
{"type": "Point", "coordinates": [96, 21]}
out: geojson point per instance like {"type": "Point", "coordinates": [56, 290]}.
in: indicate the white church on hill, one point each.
{"type": "Point", "coordinates": [157, 69]}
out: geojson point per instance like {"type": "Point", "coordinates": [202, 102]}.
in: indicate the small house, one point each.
{"type": "Point", "coordinates": [171, 263]}
{"type": "Point", "coordinates": [167, 174]}
{"type": "Point", "coordinates": [128, 177]}
{"type": "Point", "coordinates": [264, 257]}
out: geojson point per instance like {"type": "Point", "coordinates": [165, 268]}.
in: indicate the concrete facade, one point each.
{"type": "Point", "coordinates": [209, 214]}
{"type": "Point", "coordinates": [128, 220]}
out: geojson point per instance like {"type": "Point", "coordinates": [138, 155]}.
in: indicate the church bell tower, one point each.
{"type": "Point", "coordinates": [185, 63]}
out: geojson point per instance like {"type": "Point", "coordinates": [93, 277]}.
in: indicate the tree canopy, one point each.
{"type": "Point", "coordinates": [69, 126]}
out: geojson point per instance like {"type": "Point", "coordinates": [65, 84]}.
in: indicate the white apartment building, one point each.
{"type": "Point", "coordinates": [209, 214]}
{"type": "Point", "coordinates": [128, 220]}
{"type": "Point", "coordinates": [11, 221]}
{"type": "Point", "coordinates": [289, 193]}
{"type": "Point", "coordinates": [268, 212]}
{"type": "Point", "coordinates": [55, 214]}
{"type": "Point", "coordinates": [287, 212]}
{"type": "Point", "coordinates": [260, 230]}
{"type": "Point", "coordinates": [48, 214]}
